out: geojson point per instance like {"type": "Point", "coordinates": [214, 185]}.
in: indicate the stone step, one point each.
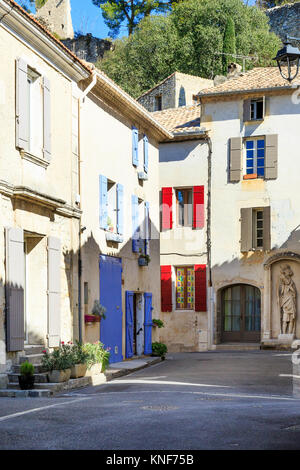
{"type": "Point", "coordinates": [33, 358]}
{"type": "Point", "coordinates": [13, 393]}
{"type": "Point", "coordinates": [39, 378]}
{"type": "Point", "coordinates": [238, 346]}
{"type": "Point", "coordinates": [15, 369]}
{"type": "Point", "coordinates": [34, 349]}
{"type": "Point", "coordinates": [37, 386]}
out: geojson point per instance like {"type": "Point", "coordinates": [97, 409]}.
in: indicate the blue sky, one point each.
{"type": "Point", "coordinates": [88, 19]}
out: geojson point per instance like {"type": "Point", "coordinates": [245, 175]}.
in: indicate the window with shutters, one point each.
{"type": "Point", "coordinates": [255, 157]}
{"type": "Point", "coordinates": [185, 288]}
{"type": "Point", "coordinates": [184, 206]}
{"type": "Point", "coordinates": [254, 109]}
{"type": "Point", "coordinates": [256, 229]}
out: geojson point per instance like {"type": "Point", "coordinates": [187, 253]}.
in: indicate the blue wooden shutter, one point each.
{"type": "Point", "coordinates": [47, 120]}
{"type": "Point", "coordinates": [135, 146]}
{"type": "Point", "coordinates": [135, 224]}
{"type": "Point", "coordinates": [146, 153]}
{"type": "Point", "coordinates": [22, 105]}
{"type": "Point", "coordinates": [129, 324]}
{"type": "Point", "coordinates": [103, 201]}
{"type": "Point", "coordinates": [120, 209]}
{"type": "Point", "coordinates": [148, 323]}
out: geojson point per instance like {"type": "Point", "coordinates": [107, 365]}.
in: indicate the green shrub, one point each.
{"type": "Point", "coordinates": [27, 369]}
{"type": "Point", "coordinates": [159, 349]}
{"type": "Point", "coordinates": [59, 359]}
{"type": "Point", "coordinates": [79, 355]}
{"type": "Point", "coordinates": [158, 323]}
{"type": "Point", "coordinates": [96, 353]}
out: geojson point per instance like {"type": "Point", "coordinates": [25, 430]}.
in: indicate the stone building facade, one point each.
{"type": "Point", "coordinates": [285, 20]}
{"type": "Point", "coordinates": [179, 89]}
{"type": "Point", "coordinates": [87, 47]}
{"type": "Point", "coordinates": [57, 15]}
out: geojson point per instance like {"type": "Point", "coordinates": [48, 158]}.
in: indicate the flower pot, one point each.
{"type": "Point", "coordinates": [95, 369]}
{"type": "Point", "coordinates": [26, 382]}
{"type": "Point", "coordinates": [58, 376]}
{"type": "Point", "coordinates": [142, 261]}
{"type": "Point", "coordinates": [78, 370]}
{"type": "Point", "coordinates": [92, 318]}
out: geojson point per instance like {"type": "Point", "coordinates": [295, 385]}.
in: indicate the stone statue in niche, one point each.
{"type": "Point", "coordinates": [287, 300]}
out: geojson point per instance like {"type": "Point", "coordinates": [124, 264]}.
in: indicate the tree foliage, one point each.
{"type": "Point", "coordinates": [117, 12]}
{"type": "Point", "coordinates": [188, 40]}
{"type": "Point", "coordinates": [229, 45]}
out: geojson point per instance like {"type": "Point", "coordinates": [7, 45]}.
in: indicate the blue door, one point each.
{"type": "Point", "coordinates": [111, 299]}
{"type": "Point", "coordinates": [148, 323]}
{"type": "Point", "coordinates": [129, 324]}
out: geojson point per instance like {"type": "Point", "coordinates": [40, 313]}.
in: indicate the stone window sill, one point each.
{"type": "Point", "coordinates": [113, 237]}
{"type": "Point", "coordinates": [34, 159]}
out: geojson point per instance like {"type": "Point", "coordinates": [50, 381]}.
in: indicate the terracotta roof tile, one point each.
{"type": "Point", "coordinates": [185, 118]}
{"type": "Point", "coordinates": [255, 79]}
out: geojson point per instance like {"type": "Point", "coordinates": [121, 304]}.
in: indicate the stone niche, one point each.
{"type": "Point", "coordinates": [277, 274]}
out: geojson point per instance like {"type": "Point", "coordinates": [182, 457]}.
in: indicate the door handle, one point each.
{"type": "Point", "coordinates": [141, 329]}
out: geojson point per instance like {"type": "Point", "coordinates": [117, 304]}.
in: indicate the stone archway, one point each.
{"type": "Point", "coordinates": [282, 303]}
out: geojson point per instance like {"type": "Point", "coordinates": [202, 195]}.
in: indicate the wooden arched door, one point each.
{"type": "Point", "coordinates": [241, 313]}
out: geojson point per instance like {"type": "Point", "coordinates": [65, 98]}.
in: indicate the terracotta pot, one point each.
{"type": "Point", "coordinates": [58, 376]}
{"type": "Point", "coordinates": [78, 370]}
{"type": "Point", "coordinates": [95, 369]}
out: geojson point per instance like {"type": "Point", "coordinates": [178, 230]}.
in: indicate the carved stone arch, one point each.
{"type": "Point", "coordinates": [284, 256]}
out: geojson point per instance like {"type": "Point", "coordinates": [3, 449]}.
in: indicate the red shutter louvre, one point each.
{"type": "Point", "coordinates": [200, 288]}
{"type": "Point", "coordinates": [166, 288]}
{"type": "Point", "coordinates": [198, 206]}
{"type": "Point", "coordinates": [167, 214]}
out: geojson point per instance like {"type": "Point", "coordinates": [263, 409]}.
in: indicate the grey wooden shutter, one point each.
{"type": "Point", "coordinates": [22, 105]}
{"type": "Point", "coordinates": [236, 148]}
{"type": "Point", "coordinates": [267, 228]}
{"type": "Point", "coordinates": [47, 119]}
{"type": "Point", "coordinates": [246, 229]}
{"type": "Point", "coordinates": [271, 156]}
{"type": "Point", "coordinates": [53, 292]}
{"type": "Point", "coordinates": [247, 110]}
{"type": "Point", "coordinates": [15, 284]}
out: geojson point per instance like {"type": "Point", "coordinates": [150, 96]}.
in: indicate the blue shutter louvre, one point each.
{"type": "Point", "coordinates": [120, 209]}
{"type": "Point", "coordinates": [103, 201]}
{"type": "Point", "coordinates": [135, 146]}
{"type": "Point", "coordinates": [148, 323]}
{"type": "Point", "coordinates": [135, 224]}
{"type": "Point", "coordinates": [129, 324]}
{"type": "Point", "coordinates": [146, 153]}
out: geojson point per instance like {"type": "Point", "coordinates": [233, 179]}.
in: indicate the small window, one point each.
{"type": "Point", "coordinates": [258, 229]}
{"type": "Point", "coordinates": [184, 202]}
{"type": "Point", "coordinates": [111, 206]}
{"type": "Point", "coordinates": [158, 103]}
{"type": "Point", "coordinates": [257, 109]}
{"type": "Point", "coordinates": [185, 287]}
{"type": "Point", "coordinates": [255, 157]}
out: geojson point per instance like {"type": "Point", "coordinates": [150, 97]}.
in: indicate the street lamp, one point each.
{"type": "Point", "coordinates": [288, 57]}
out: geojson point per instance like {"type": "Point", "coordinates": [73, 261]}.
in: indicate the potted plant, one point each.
{"type": "Point", "coordinates": [98, 312]}
{"type": "Point", "coordinates": [144, 259]}
{"type": "Point", "coordinates": [97, 358]}
{"type": "Point", "coordinates": [58, 363]}
{"type": "Point", "coordinates": [159, 349]}
{"type": "Point", "coordinates": [79, 366]}
{"type": "Point", "coordinates": [158, 323]}
{"type": "Point", "coordinates": [110, 224]}
{"type": "Point", "coordinates": [26, 377]}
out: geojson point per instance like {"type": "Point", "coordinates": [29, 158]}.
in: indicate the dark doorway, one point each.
{"type": "Point", "coordinates": [241, 312]}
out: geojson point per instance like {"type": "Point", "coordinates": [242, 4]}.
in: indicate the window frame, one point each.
{"type": "Point", "coordinates": [158, 99]}
{"type": "Point", "coordinates": [254, 174]}
{"type": "Point", "coordinates": [255, 229]}
{"type": "Point", "coordinates": [254, 110]}
{"type": "Point", "coordinates": [185, 307]}
{"type": "Point", "coordinates": [185, 191]}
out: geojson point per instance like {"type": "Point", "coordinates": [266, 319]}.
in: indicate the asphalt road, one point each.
{"type": "Point", "coordinates": [214, 400]}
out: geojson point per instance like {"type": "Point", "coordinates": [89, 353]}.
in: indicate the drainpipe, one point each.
{"type": "Point", "coordinates": [208, 242]}
{"type": "Point", "coordinates": [81, 229]}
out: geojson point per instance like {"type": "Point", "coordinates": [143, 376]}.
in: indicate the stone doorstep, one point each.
{"type": "Point", "coordinates": [39, 378]}
{"type": "Point", "coordinates": [35, 359]}
{"type": "Point", "coordinates": [49, 389]}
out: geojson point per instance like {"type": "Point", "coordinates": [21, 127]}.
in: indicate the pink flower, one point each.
{"type": "Point", "coordinates": [62, 342]}
{"type": "Point", "coordinates": [44, 352]}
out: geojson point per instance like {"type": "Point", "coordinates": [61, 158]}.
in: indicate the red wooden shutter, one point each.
{"type": "Point", "coordinates": [166, 288]}
{"type": "Point", "coordinates": [198, 206]}
{"type": "Point", "coordinates": [200, 288]}
{"type": "Point", "coordinates": [167, 214]}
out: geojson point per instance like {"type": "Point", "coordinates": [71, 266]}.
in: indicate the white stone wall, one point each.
{"type": "Point", "coordinates": [57, 14]}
